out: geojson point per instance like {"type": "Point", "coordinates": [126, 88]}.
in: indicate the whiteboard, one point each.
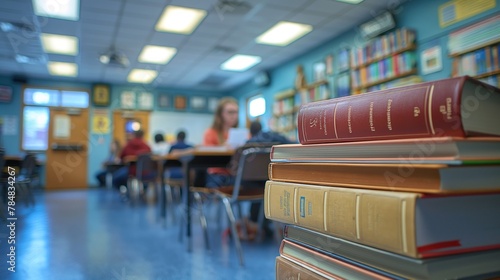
{"type": "Point", "coordinates": [169, 123]}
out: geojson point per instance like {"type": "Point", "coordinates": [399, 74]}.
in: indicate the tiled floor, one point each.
{"type": "Point", "coordinates": [93, 235]}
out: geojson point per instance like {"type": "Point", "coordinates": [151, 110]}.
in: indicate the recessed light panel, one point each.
{"type": "Point", "coordinates": [62, 69]}
{"type": "Point", "coordinates": [240, 62]}
{"type": "Point", "coordinates": [181, 20]}
{"type": "Point", "coordinates": [143, 76]}
{"type": "Point", "coordinates": [156, 54]}
{"type": "Point", "coordinates": [351, 1]}
{"type": "Point", "coordinates": [283, 33]}
{"type": "Point", "coordinates": [61, 9]}
{"type": "Point", "coordinates": [59, 44]}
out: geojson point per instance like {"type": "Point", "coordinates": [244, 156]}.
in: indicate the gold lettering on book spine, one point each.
{"type": "Point", "coordinates": [349, 119]}
{"type": "Point", "coordinates": [372, 127]}
{"type": "Point", "coordinates": [389, 121]}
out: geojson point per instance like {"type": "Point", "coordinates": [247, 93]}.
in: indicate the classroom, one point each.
{"type": "Point", "coordinates": [80, 80]}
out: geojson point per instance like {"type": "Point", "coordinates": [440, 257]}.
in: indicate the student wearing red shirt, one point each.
{"type": "Point", "coordinates": [134, 147]}
{"type": "Point", "coordinates": [226, 117]}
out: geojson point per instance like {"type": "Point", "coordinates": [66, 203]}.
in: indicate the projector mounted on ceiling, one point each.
{"type": "Point", "coordinates": [235, 7]}
{"type": "Point", "coordinates": [114, 58]}
{"type": "Point", "coordinates": [377, 26]}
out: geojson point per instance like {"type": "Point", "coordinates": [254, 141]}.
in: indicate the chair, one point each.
{"type": "Point", "coordinates": [25, 177]}
{"type": "Point", "coordinates": [173, 188]}
{"type": "Point", "coordinates": [252, 168]}
{"type": "Point", "coordinates": [146, 173]}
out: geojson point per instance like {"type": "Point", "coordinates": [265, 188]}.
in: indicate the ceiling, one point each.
{"type": "Point", "coordinates": [129, 25]}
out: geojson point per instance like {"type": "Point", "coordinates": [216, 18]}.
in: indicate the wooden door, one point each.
{"type": "Point", "coordinates": [122, 118]}
{"type": "Point", "coordinates": [67, 153]}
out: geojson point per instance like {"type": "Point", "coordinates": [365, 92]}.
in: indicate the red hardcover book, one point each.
{"type": "Point", "coordinates": [456, 107]}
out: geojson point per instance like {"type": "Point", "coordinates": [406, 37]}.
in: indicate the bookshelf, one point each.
{"type": "Point", "coordinates": [383, 60]}
{"type": "Point", "coordinates": [287, 103]}
{"type": "Point", "coordinates": [475, 51]}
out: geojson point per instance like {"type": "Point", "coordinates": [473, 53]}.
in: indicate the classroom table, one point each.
{"type": "Point", "coordinates": [195, 159]}
{"type": "Point", "coordinates": [188, 159]}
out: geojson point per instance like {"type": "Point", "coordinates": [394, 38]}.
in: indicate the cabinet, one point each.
{"type": "Point", "coordinates": [383, 61]}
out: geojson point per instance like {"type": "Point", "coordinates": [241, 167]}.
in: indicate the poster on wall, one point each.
{"type": "Point", "coordinates": [145, 101]}
{"type": "Point", "coordinates": [100, 122]}
{"type": "Point", "coordinates": [127, 100]}
{"type": "Point", "coordinates": [5, 94]}
{"type": "Point", "coordinates": [431, 60]}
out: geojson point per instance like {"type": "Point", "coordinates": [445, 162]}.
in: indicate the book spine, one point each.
{"type": "Point", "coordinates": [423, 110]}
{"type": "Point", "coordinates": [380, 176]}
{"type": "Point", "coordinates": [286, 269]}
{"type": "Point", "coordinates": [381, 219]}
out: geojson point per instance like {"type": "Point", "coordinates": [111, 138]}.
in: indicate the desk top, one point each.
{"type": "Point", "coordinates": [179, 154]}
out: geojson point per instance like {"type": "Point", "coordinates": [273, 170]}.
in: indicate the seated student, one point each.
{"type": "Point", "coordinates": [160, 147]}
{"type": "Point", "coordinates": [226, 117]}
{"type": "Point", "coordinates": [134, 147]}
{"type": "Point", "coordinates": [113, 157]}
{"type": "Point", "coordinates": [176, 172]}
{"type": "Point", "coordinates": [259, 136]}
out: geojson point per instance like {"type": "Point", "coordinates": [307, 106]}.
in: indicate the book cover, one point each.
{"type": "Point", "coordinates": [458, 266]}
{"type": "Point", "coordinates": [327, 266]}
{"type": "Point", "coordinates": [456, 107]}
{"type": "Point", "coordinates": [444, 150]}
{"type": "Point", "coordinates": [425, 178]}
{"type": "Point", "coordinates": [410, 224]}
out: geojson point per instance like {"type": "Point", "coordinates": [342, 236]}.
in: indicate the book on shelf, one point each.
{"type": "Point", "coordinates": [425, 178]}
{"type": "Point", "coordinates": [410, 224]}
{"type": "Point", "coordinates": [444, 150]}
{"type": "Point", "coordinates": [459, 266]}
{"type": "Point", "coordinates": [327, 266]}
{"type": "Point", "coordinates": [286, 269]}
{"type": "Point", "coordinates": [457, 107]}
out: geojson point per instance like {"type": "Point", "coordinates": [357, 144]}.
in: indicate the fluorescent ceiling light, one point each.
{"type": "Point", "coordinates": [62, 69]}
{"type": "Point", "coordinates": [181, 20]}
{"type": "Point", "coordinates": [283, 33]}
{"type": "Point", "coordinates": [240, 62]}
{"type": "Point", "coordinates": [156, 54]}
{"type": "Point", "coordinates": [351, 1]}
{"type": "Point", "coordinates": [59, 44]}
{"type": "Point", "coordinates": [65, 9]}
{"type": "Point", "coordinates": [142, 76]}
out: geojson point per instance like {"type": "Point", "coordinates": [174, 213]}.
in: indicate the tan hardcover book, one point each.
{"type": "Point", "coordinates": [287, 270]}
{"type": "Point", "coordinates": [427, 178]}
{"type": "Point", "coordinates": [411, 224]}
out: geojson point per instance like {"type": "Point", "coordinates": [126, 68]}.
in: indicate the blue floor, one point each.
{"type": "Point", "coordinates": [92, 234]}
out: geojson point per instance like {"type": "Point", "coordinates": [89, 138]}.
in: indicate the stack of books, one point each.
{"type": "Point", "coordinates": [402, 183]}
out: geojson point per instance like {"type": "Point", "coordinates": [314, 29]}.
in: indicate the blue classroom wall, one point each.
{"type": "Point", "coordinates": [420, 15]}
{"type": "Point", "coordinates": [98, 144]}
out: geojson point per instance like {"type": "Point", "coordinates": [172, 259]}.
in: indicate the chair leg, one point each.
{"type": "Point", "coordinates": [133, 190]}
{"type": "Point", "coordinates": [170, 201]}
{"type": "Point", "coordinates": [203, 219]}
{"type": "Point", "coordinates": [234, 232]}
